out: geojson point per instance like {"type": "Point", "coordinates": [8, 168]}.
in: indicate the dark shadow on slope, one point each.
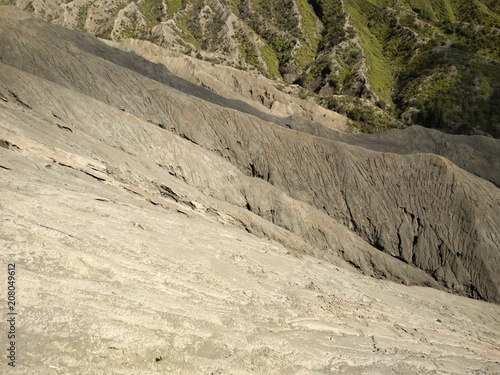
{"type": "Point", "coordinates": [482, 156]}
{"type": "Point", "coordinates": [158, 72]}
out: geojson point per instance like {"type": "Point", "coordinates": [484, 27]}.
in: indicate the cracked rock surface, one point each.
{"type": "Point", "coordinates": [161, 228]}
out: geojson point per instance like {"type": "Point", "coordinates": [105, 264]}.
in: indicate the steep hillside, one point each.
{"type": "Point", "coordinates": [159, 227]}
{"type": "Point", "coordinates": [382, 63]}
{"type": "Point", "coordinates": [427, 219]}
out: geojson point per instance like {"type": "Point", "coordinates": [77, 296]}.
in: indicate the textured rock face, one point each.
{"type": "Point", "coordinates": [420, 211]}
{"type": "Point", "coordinates": [128, 195]}
{"type": "Point", "coordinates": [108, 282]}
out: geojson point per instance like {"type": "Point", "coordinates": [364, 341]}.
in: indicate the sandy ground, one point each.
{"type": "Point", "coordinates": [110, 283]}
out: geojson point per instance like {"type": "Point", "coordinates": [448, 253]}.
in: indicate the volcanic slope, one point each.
{"type": "Point", "coordinates": [478, 155]}
{"type": "Point", "coordinates": [126, 206]}
{"type": "Point", "coordinates": [420, 212]}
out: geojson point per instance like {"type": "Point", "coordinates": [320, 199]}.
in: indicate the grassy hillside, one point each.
{"type": "Point", "coordinates": [384, 63]}
{"type": "Point", "coordinates": [416, 61]}
{"type": "Point", "coordinates": [434, 63]}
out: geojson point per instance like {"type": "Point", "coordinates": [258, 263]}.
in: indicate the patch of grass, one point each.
{"type": "Point", "coordinates": [424, 9]}
{"type": "Point", "coordinates": [173, 6]}
{"type": "Point", "coordinates": [82, 17]}
{"type": "Point", "coordinates": [450, 14]}
{"type": "Point", "coordinates": [186, 35]}
{"type": "Point", "coordinates": [121, 6]}
{"type": "Point", "coordinates": [152, 11]}
{"type": "Point", "coordinates": [454, 90]}
{"type": "Point", "coordinates": [127, 33]}
{"type": "Point", "coordinates": [379, 71]}
{"type": "Point", "coordinates": [304, 93]}
{"type": "Point", "coordinates": [213, 28]}
{"type": "Point", "coordinates": [311, 34]}
{"type": "Point", "coordinates": [303, 56]}
{"type": "Point", "coordinates": [364, 115]}
{"type": "Point", "coordinates": [234, 5]}
{"type": "Point", "coordinates": [267, 54]}
{"type": "Point", "coordinates": [250, 54]}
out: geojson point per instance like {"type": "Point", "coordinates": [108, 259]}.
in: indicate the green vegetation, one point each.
{"type": "Point", "coordinates": [485, 40]}
{"type": "Point", "coordinates": [380, 74]}
{"type": "Point", "coordinates": [182, 22]}
{"type": "Point", "coordinates": [429, 56]}
{"type": "Point", "coordinates": [364, 115]}
{"type": "Point", "coordinates": [127, 33]}
{"type": "Point", "coordinates": [289, 30]}
{"type": "Point", "coordinates": [249, 53]}
{"type": "Point", "coordinates": [310, 32]}
{"type": "Point", "coordinates": [152, 11]}
{"type": "Point", "coordinates": [332, 16]}
{"type": "Point", "coordinates": [454, 89]}
{"type": "Point", "coordinates": [173, 6]}
{"type": "Point", "coordinates": [121, 6]}
{"type": "Point", "coordinates": [213, 28]}
{"type": "Point", "coordinates": [303, 56]}
{"type": "Point", "coordinates": [269, 58]}
{"type": "Point", "coordinates": [380, 62]}
{"type": "Point", "coordinates": [82, 17]}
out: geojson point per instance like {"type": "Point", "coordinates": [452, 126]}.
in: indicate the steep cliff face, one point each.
{"type": "Point", "coordinates": [382, 63]}
{"type": "Point", "coordinates": [411, 217]}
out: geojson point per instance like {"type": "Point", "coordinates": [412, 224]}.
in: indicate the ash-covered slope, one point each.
{"type": "Point", "coordinates": [426, 218]}
{"type": "Point", "coordinates": [131, 242]}
{"type": "Point", "coordinates": [111, 279]}
{"type": "Point", "coordinates": [475, 154]}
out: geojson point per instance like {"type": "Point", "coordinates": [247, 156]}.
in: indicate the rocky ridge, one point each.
{"type": "Point", "coordinates": [390, 201]}
{"type": "Point", "coordinates": [188, 232]}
